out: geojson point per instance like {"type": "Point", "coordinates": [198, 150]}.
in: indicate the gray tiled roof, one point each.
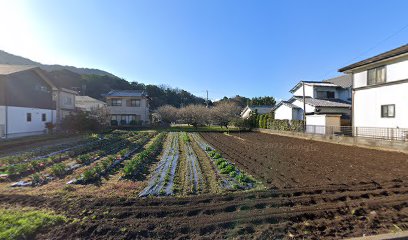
{"type": "Point", "coordinates": [261, 109]}
{"type": "Point", "coordinates": [324, 102]}
{"type": "Point", "coordinates": [389, 54]}
{"type": "Point", "coordinates": [9, 69]}
{"type": "Point", "coordinates": [126, 93]}
{"type": "Point", "coordinates": [344, 81]}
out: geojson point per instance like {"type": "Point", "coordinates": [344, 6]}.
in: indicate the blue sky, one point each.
{"type": "Point", "coordinates": [250, 48]}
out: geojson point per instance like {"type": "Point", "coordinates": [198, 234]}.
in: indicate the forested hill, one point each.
{"type": "Point", "coordinates": [95, 86]}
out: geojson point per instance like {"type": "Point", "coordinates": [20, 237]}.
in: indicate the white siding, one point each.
{"type": "Point", "coordinates": [367, 106]}
{"type": "Point", "coordinates": [2, 115]}
{"type": "Point", "coordinates": [309, 109]}
{"type": "Point", "coordinates": [17, 124]}
{"type": "Point", "coordinates": [308, 91]}
{"type": "Point", "coordinates": [395, 70]}
{"type": "Point", "coordinates": [283, 112]}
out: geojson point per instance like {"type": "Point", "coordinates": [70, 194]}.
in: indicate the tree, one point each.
{"type": "Point", "coordinates": [261, 101]}
{"type": "Point", "coordinates": [81, 122]}
{"type": "Point", "coordinates": [168, 114]}
{"type": "Point", "coordinates": [194, 115]}
{"type": "Point", "coordinates": [225, 112]}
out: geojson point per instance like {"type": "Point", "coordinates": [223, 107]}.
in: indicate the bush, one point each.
{"type": "Point", "coordinates": [58, 170]}
{"type": "Point", "coordinates": [114, 123]}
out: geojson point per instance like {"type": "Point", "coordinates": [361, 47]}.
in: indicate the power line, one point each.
{"type": "Point", "coordinates": [372, 48]}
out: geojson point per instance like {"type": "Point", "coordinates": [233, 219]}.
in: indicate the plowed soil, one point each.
{"type": "Point", "coordinates": [314, 191]}
{"type": "Point", "coordinates": [285, 162]}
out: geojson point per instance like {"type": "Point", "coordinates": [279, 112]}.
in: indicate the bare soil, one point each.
{"type": "Point", "coordinates": [314, 190]}
{"type": "Point", "coordinates": [285, 162]}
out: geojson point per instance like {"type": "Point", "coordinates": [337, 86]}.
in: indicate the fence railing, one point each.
{"type": "Point", "coordinates": [397, 134]}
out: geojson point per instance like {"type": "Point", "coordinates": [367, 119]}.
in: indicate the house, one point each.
{"type": "Point", "coordinates": [29, 99]}
{"type": "Point", "coordinates": [380, 90]}
{"type": "Point", "coordinates": [322, 100]}
{"type": "Point", "coordinates": [88, 104]}
{"type": "Point", "coordinates": [246, 112]}
{"type": "Point", "coordinates": [128, 107]}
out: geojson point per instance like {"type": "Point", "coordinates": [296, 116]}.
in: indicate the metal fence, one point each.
{"type": "Point", "coordinates": [398, 134]}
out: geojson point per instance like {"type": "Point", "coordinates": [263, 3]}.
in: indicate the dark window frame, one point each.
{"type": "Point", "coordinates": [29, 117]}
{"type": "Point", "coordinates": [115, 102]}
{"type": "Point", "coordinates": [44, 117]}
{"type": "Point", "coordinates": [385, 114]}
{"type": "Point", "coordinates": [134, 101]}
{"type": "Point", "coordinates": [376, 79]}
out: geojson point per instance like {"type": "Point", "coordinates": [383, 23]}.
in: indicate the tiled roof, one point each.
{"type": "Point", "coordinates": [261, 109]}
{"type": "Point", "coordinates": [392, 53]}
{"type": "Point", "coordinates": [324, 102]}
{"type": "Point", "coordinates": [87, 99]}
{"type": "Point", "coordinates": [312, 83]}
{"type": "Point", "coordinates": [126, 93]}
{"type": "Point", "coordinates": [9, 69]}
{"type": "Point", "coordinates": [344, 81]}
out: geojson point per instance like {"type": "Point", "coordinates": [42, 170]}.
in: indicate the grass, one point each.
{"type": "Point", "coordinates": [25, 223]}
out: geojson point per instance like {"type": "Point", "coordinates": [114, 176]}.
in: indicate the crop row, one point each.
{"type": "Point", "coordinates": [231, 176]}
{"type": "Point", "coordinates": [194, 181]}
{"type": "Point", "coordinates": [137, 165]}
{"type": "Point", "coordinates": [162, 180]}
{"type": "Point", "coordinates": [25, 168]}
{"type": "Point", "coordinates": [110, 145]}
{"type": "Point", "coordinates": [110, 162]}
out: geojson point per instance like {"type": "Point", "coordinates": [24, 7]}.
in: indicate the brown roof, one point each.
{"type": "Point", "coordinates": [10, 69]}
{"type": "Point", "coordinates": [382, 56]}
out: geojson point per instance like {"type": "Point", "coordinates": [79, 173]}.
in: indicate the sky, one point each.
{"type": "Point", "coordinates": [228, 47]}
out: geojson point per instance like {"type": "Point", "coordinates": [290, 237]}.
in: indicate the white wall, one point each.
{"type": "Point", "coordinates": [17, 120]}
{"type": "Point", "coordinates": [309, 109]}
{"type": "Point", "coordinates": [283, 112]}
{"type": "Point", "coordinates": [245, 115]}
{"type": "Point", "coordinates": [308, 91]}
{"type": "Point", "coordinates": [2, 115]}
{"type": "Point", "coordinates": [395, 70]}
{"type": "Point", "coordinates": [367, 106]}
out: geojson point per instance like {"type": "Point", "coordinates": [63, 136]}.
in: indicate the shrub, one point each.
{"type": "Point", "coordinates": [58, 169]}
{"type": "Point", "coordinates": [228, 169]}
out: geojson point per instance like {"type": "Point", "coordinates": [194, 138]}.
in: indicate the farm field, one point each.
{"type": "Point", "coordinates": [149, 184]}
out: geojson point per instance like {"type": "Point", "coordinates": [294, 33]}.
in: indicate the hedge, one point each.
{"type": "Point", "coordinates": [285, 125]}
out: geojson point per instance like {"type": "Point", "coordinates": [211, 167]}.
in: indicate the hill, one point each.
{"type": "Point", "coordinates": [7, 58]}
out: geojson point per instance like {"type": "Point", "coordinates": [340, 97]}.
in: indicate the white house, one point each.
{"type": "Point", "coordinates": [29, 99]}
{"type": "Point", "coordinates": [325, 99]}
{"type": "Point", "coordinates": [246, 112]}
{"type": "Point", "coordinates": [380, 90]}
{"type": "Point", "coordinates": [128, 107]}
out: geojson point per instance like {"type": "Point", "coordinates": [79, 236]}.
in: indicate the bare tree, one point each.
{"type": "Point", "coordinates": [168, 114]}
{"type": "Point", "coordinates": [194, 115]}
{"type": "Point", "coordinates": [224, 113]}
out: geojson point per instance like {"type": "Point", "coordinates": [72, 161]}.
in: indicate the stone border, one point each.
{"type": "Point", "coordinates": [379, 144]}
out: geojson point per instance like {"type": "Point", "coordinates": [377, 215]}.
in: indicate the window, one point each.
{"type": "Point", "coordinates": [28, 117]}
{"type": "Point", "coordinates": [116, 102]}
{"type": "Point", "coordinates": [44, 117]}
{"type": "Point", "coordinates": [67, 101]}
{"type": "Point", "coordinates": [135, 103]}
{"type": "Point", "coordinates": [376, 76]}
{"type": "Point", "coordinates": [388, 111]}
{"type": "Point", "coordinates": [325, 94]}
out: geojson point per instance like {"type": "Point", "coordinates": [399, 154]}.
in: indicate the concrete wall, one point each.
{"type": "Point", "coordinates": [2, 115]}
{"type": "Point", "coordinates": [17, 120]}
{"type": "Point", "coordinates": [67, 100]}
{"type": "Point", "coordinates": [367, 106]}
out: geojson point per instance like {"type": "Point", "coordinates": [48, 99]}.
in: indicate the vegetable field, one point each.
{"type": "Point", "coordinates": [191, 185]}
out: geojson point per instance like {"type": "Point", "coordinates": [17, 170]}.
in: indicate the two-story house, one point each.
{"type": "Point", "coordinates": [328, 97]}
{"type": "Point", "coordinates": [29, 99]}
{"type": "Point", "coordinates": [128, 107]}
{"type": "Point", "coordinates": [380, 90]}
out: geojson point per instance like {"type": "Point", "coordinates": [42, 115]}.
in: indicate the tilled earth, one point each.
{"type": "Point", "coordinates": [314, 190]}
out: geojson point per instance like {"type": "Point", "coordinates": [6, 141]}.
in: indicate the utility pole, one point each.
{"type": "Point", "coordinates": [206, 102]}
{"type": "Point", "coordinates": [304, 107]}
